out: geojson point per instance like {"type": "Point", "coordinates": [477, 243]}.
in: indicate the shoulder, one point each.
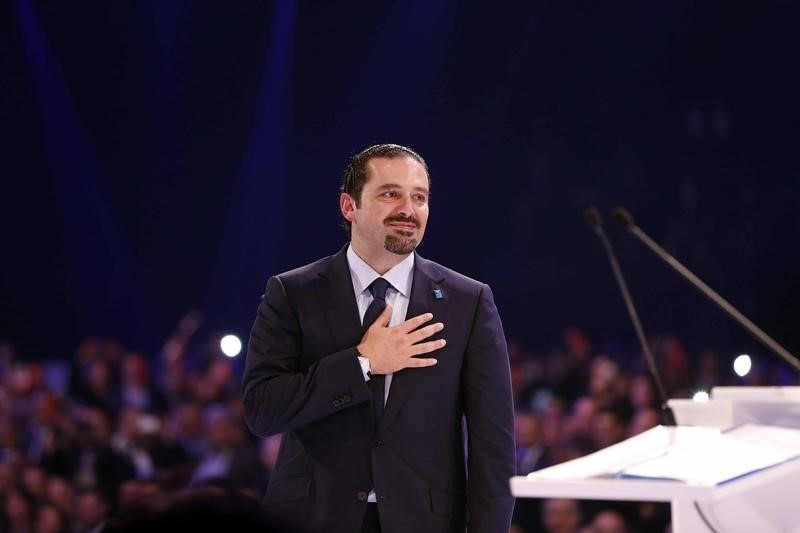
{"type": "Point", "coordinates": [300, 280]}
{"type": "Point", "coordinates": [306, 272]}
{"type": "Point", "coordinates": [448, 276]}
{"type": "Point", "coordinates": [332, 265]}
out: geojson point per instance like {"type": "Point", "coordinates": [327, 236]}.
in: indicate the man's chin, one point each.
{"type": "Point", "coordinates": [400, 245]}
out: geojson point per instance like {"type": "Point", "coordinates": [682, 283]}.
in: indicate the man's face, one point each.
{"type": "Point", "coordinates": [393, 210]}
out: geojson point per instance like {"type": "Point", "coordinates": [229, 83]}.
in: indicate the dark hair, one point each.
{"type": "Point", "coordinates": [355, 175]}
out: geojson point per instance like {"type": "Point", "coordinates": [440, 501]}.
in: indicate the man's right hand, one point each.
{"type": "Point", "coordinates": [390, 349]}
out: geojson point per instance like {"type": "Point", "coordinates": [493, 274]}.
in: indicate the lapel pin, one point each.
{"type": "Point", "coordinates": [437, 293]}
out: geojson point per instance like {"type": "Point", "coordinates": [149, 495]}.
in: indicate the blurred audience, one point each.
{"type": "Point", "coordinates": [134, 440]}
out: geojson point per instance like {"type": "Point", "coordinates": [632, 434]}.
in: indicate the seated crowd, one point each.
{"type": "Point", "coordinates": [123, 437]}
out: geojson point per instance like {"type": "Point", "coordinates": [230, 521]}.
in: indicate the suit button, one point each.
{"type": "Point", "coordinates": [382, 498]}
{"type": "Point", "coordinates": [346, 398]}
{"type": "Point", "coordinates": [378, 443]}
{"type": "Point", "coordinates": [361, 496]}
{"type": "Point", "coordinates": [336, 403]}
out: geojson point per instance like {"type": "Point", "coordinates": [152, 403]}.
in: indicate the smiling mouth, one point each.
{"type": "Point", "coordinates": [405, 226]}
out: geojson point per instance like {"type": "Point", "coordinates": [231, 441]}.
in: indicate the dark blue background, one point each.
{"type": "Point", "coordinates": [159, 156]}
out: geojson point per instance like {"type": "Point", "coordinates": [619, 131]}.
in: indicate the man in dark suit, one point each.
{"type": "Point", "coordinates": [373, 414]}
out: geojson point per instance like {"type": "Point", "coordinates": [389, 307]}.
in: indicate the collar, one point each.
{"type": "Point", "coordinates": [400, 275]}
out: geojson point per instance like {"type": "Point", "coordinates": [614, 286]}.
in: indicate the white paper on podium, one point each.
{"type": "Point", "coordinates": [716, 457]}
{"type": "Point", "coordinates": [692, 454]}
{"type": "Point", "coordinates": [613, 460]}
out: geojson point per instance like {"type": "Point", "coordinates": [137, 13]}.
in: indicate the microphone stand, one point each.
{"type": "Point", "coordinates": [624, 218]}
{"type": "Point", "coordinates": [592, 216]}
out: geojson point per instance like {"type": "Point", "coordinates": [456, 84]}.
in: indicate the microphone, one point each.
{"type": "Point", "coordinates": [624, 219]}
{"type": "Point", "coordinates": [595, 221]}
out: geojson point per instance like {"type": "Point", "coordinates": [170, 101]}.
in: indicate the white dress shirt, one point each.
{"type": "Point", "coordinates": [400, 276]}
{"type": "Point", "coordinates": [398, 295]}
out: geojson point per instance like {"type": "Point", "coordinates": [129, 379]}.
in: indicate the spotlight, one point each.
{"type": "Point", "coordinates": [700, 396]}
{"type": "Point", "coordinates": [742, 365]}
{"type": "Point", "coordinates": [230, 345]}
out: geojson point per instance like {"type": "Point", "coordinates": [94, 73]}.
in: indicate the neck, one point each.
{"type": "Point", "coordinates": [381, 262]}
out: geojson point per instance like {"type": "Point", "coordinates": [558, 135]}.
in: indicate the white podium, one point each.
{"type": "Point", "coordinates": [732, 464]}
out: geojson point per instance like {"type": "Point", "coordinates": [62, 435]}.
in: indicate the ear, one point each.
{"type": "Point", "coordinates": [348, 206]}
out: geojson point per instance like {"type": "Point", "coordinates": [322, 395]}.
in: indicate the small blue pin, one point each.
{"type": "Point", "coordinates": [437, 293]}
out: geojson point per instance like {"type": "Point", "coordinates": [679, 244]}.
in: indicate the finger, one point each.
{"type": "Point", "coordinates": [423, 333]}
{"type": "Point", "coordinates": [413, 323]}
{"type": "Point", "coordinates": [415, 362]}
{"type": "Point", "coordinates": [427, 347]}
{"type": "Point", "coordinates": [383, 319]}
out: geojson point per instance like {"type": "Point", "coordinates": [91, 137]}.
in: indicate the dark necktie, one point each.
{"type": "Point", "coordinates": [377, 382]}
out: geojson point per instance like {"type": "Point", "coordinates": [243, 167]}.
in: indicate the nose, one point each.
{"type": "Point", "coordinates": [406, 206]}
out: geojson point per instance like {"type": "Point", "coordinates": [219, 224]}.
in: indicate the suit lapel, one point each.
{"type": "Point", "coordinates": [426, 297]}
{"type": "Point", "coordinates": [335, 291]}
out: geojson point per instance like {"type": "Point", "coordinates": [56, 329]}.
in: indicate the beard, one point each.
{"type": "Point", "coordinates": [400, 244]}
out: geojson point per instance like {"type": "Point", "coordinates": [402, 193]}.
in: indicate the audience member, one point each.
{"type": "Point", "coordinates": [17, 512]}
{"type": "Point", "coordinates": [531, 451]}
{"type": "Point", "coordinates": [561, 516]}
{"type": "Point", "coordinates": [608, 521]}
{"type": "Point", "coordinates": [49, 519]}
{"type": "Point", "coordinates": [92, 510]}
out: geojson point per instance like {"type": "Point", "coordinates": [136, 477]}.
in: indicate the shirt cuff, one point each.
{"type": "Point", "coordinates": [364, 362]}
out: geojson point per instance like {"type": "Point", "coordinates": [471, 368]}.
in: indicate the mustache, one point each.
{"type": "Point", "coordinates": [405, 220]}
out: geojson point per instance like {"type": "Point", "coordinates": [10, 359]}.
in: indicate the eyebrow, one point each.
{"type": "Point", "coordinates": [387, 186]}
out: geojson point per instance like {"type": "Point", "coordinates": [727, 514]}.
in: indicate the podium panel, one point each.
{"type": "Point", "coordinates": [741, 473]}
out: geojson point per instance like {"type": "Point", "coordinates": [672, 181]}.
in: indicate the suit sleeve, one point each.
{"type": "Point", "coordinates": [280, 395]}
{"type": "Point", "coordinates": [489, 412]}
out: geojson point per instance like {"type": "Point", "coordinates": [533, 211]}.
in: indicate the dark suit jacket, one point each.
{"type": "Point", "coordinates": [302, 378]}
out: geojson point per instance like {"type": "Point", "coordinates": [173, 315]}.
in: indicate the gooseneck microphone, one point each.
{"type": "Point", "coordinates": [595, 221]}
{"type": "Point", "coordinates": [624, 218]}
